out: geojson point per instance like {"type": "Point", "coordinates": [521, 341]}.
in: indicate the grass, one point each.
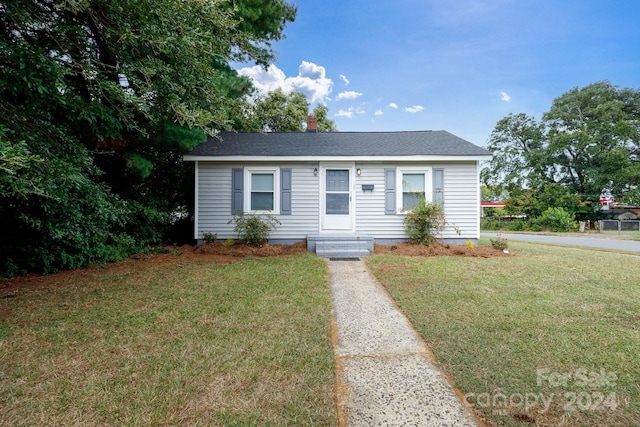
{"type": "Point", "coordinates": [549, 324]}
{"type": "Point", "coordinates": [181, 342]}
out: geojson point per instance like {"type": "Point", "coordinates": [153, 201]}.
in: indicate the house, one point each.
{"type": "Point", "coordinates": [340, 190]}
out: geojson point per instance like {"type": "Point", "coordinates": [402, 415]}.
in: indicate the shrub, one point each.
{"type": "Point", "coordinates": [557, 219]}
{"type": "Point", "coordinates": [499, 243]}
{"type": "Point", "coordinates": [210, 237]}
{"type": "Point", "coordinates": [254, 229]}
{"type": "Point", "coordinates": [424, 222]}
{"type": "Point", "coordinates": [490, 224]}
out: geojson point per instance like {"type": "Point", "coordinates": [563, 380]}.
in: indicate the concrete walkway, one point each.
{"type": "Point", "coordinates": [386, 376]}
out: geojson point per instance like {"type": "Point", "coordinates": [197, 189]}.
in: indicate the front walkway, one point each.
{"type": "Point", "coordinates": [386, 375]}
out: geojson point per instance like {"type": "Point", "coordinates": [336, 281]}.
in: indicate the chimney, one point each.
{"type": "Point", "coordinates": [312, 123]}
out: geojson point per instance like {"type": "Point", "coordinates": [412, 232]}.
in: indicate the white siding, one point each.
{"type": "Point", "coordinates": [460, 200]}
{"type": "Point", "coordinates": [214, 201]}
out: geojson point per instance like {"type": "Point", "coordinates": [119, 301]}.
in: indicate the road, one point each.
{"type": "Point", "coordinates": [587, 240]}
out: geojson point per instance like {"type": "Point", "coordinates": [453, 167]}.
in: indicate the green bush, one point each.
{"type": "Point", "coordinates": [499, 243]}
{"type": "Point", "coordinates": [254, 229]}
{"type": "Point", "coordinates": [557, 219]}
{"type": "Point", "coordinates": [424, 222]}
{"type": "Point", "coordinates": [210, 237]}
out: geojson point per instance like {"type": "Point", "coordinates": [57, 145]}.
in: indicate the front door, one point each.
{"type": "Point", "coordinates": [337, 206]}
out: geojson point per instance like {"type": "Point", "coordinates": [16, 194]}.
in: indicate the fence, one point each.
{"type": "Point", "coordinates": [619, 226]}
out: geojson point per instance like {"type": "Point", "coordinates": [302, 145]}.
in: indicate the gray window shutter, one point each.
{"type": "Point", "coordinates": [438, 186]}
{"type": "Point", "coordinates": [390, 191]}
{"type": "Point", "coordinates": [237, 187]}
{"type": "Point", "coordinates": [285, 191]}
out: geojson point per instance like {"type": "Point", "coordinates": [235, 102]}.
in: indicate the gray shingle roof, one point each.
{"type": "Point", "coordinates": [328, 144]}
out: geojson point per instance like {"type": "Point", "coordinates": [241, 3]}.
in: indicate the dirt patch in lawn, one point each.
{"type": "Point", "coordinates": [438, 250]}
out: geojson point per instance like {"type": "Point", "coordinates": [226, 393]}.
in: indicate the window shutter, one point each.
{"type": "Point", "coordinates": [237, 187]}
{"type": "Point", "coordinates": [285, 191]}
{"type": "Point", "coordinates": [390, 191]}
{"type": "Point", "coordinates": [438, 186]}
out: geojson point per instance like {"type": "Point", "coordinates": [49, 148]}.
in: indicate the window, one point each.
{"type": "Point", "coordinates": [412, 190]}
{"type": "Point", "coordinates": [413, 183]}
{"type": "Point", "coordinates": [262, 193]}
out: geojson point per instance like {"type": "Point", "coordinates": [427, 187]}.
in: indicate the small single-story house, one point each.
{"type": "Point", "coordinates": [336, 186]}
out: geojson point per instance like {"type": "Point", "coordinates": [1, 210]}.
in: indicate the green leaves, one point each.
{"type": "Point", "coordinates": [99, 100]}
{"type": "Point", "coordinates": [424, 222]}
{"type": "Point", "coordinates": [254, 229]}
{"type": "Point", "coordinates": [588, 142]}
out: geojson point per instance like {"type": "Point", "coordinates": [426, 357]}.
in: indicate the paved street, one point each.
{"type": "Point", "coordinates": [586, 240]}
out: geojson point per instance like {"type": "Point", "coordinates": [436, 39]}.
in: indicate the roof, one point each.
{"type": "Point", "coordinates": [335, 145]}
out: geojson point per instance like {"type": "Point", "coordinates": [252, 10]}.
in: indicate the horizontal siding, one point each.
{"type": "Point", "coordinates": [461, 202]}
{"type": "Point", "coordinates": [214, 202]}
{"type": "Point", "coordinates": [460, 188]}
{"type": "Point", "coordinates": [370, 216]}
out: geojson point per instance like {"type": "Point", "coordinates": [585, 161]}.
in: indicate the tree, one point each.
{"type": "Point", "coordinates": [322, 116]}
{"type": "Point", "coordinates": [534, 202]}
{"type": "Point", "coordinates": [588, 143]}
{"type": "Point", "coordinates": [99, 99]}
{"type": "Point", "coordinates": [517, 144]}
{"type": "Point", "coordinates": [282, 112]}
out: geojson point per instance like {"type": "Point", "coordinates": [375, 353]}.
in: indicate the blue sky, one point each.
{"type": "Point", "coordinates": [459, 66]}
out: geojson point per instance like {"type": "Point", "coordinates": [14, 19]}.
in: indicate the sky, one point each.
{"type": "Point", "coordinates": [458, 66]}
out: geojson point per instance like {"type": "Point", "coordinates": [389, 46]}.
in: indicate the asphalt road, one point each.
{"type": "Point", "coordinates": [587, 240]}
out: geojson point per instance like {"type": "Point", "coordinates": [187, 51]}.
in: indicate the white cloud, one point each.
{"type": "Point", "coordinates": [350, 94]}
{"type": "Point", "coordinates": [414, 109]}
{"type": "Point", "coordinates": [265, 80]}
{"type": "Point", "coordinates": [350, 112]}
{"type": "Point", "coordinates": [311, 80]}
{"type": "Point", "coordinates": [393, 105]}
{"type": "Point", "coordinates": [345, 113]}
{"type": "Point", "coordinates": [344, 79]}
{"type": "Point", "coordinates": [378, 113]}
{"type": "Point", "coordinates": [504, 96]}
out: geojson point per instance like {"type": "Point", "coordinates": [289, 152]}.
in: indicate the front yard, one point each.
{"type": "Point", "coordinates": [550, 335]}
{"type": "Point", "coordinates": [174, 340]}
{"type": "Point", "coordinates": [547, 335]}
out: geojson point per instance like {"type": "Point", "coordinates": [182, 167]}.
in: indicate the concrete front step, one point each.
{"type": "Point", "coordinates": [342, 253]}
{"type": "Point", "coordinates": [340, 246]}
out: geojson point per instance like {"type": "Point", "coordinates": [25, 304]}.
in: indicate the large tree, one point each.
{"type": "Point", "coordinates": [99, 98]}
{"type": "Point", "coordinates": [287, 112]}
{"type": "Point", "coordinates": [588, 142]}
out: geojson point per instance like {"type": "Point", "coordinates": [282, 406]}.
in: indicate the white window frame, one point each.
{"type": "Point", "coordinates": [248, 171]}
{"type": "Point", "coordinates": [428, 186]}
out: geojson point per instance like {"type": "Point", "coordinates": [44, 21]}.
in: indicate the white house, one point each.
{"type": "Point", "coordinates": [339, 190]}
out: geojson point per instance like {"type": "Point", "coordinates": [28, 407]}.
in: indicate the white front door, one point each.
{"type": "Point", "coordinates": [337, 198]}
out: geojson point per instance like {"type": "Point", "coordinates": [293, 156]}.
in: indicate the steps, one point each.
{"type": "Point", "coordinates": [340, 246]}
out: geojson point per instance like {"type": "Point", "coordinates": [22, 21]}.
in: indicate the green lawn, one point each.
{"type": "Point", "coordinates": [550, 334]}
{"type": "Point", "coordinates": [180, 342]}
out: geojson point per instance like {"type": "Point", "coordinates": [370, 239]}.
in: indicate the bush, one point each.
{"type": "Point", "coordinates": [499, 243]}
{"type": "Point", "coordinates": [557, 219]}
{"type": "Point", "coordinates": [424, 223]}
{"type": "Point", "coordinates": [490, 224]}
{"type": "Point", "coordinates": [253, 229]}
{"type": "Point", "coordinates": [210, 237]}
